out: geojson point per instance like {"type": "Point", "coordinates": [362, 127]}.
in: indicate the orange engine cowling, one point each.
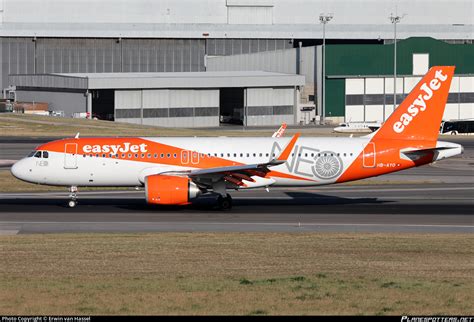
{"type": "Point", "coordinates": [170, 190]}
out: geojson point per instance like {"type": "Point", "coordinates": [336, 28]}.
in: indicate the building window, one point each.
{"type": "Point", "coordinates": [421, 64]}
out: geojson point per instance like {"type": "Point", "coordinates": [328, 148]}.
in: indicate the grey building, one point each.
{"type": "Point", "coordinates": [142, 36]}
{"type": "Point", "coordinates": [187, 99]}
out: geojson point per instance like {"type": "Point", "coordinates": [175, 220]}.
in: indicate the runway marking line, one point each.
{"type": "Point", "coordinates": [224, 223]}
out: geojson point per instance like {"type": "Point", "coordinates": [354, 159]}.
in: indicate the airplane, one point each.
{"type": "Point", "coordinates": [279, 133]}
{"type": "Point", "coordinates": [357, 127]}
{"type": "Point", "coordinates": [176, 171]}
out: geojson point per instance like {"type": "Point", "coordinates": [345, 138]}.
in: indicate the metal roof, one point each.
{"type": "Point", "coordinates": [203, 30]}
{"type": "Point", "coordinates": [157, 80]}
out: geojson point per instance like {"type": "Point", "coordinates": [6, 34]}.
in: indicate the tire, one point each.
{"type": "Point", "coordinates": [72, 203]}
{"type": "Point", "coordinates": [224, 203]}
{"type": "Point", "coordinates": [454, 132]}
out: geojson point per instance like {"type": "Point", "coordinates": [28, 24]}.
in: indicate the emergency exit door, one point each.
{"type": "Point", "coordinates": [70, 156]}
{"type": "Point", "coordinates": [369, 156]}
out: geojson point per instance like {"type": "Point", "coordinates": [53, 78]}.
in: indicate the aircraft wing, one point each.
{"type": "Point", "coordinates": [236, 174]}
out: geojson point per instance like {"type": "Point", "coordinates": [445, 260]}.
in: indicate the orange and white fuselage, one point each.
{"type": "Point", "coordinates": [173, 170]}
{"type": "Point", "coordinates": [313, 161]}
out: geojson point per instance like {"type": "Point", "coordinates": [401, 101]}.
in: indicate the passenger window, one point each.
{"type": "Point", "coordinates": [162, 155]}
{"type": "Point", "coordinates": [312, 154]}
{"type": "Point", "coordinates": [46, 154]}
{"type": "Point", "coordinates": [168, 155]}
{"type": "Point", "coordinates": [254, 155]}
{"type": "Point", "coordinates": [235, 155]}
{"type": "Point", "coordinates": [136, 155]}
{"type": "Point", "coordinates": [149, 155]}
{"type": "Point", "coordinates": [261, 154]}
{"type": "Point", "coordinates": [241, 155]}
{"type": "Point", "coordinates": [345, 154]}
{"type": "Point", "coordinates": [175, 156]}
{"type": "Point", "coordinates": [266, 155]}
{"type": "Point", "coordinates": [38, 154]}
{"type": "Point", "coordinates": [104, 155]}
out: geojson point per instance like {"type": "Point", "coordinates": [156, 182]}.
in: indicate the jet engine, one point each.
{"type": "Point", "coordinates": [170, 190]}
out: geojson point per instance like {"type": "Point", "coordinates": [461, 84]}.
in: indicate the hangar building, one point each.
{"type": "Point", "coordinates": [87, 37]}
{"type": "Point", "coordinates": [187, 99]}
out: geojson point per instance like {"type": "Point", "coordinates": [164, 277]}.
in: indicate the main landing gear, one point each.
{"type": "Point", "coordinates": [224, 203]}
{"type": "Point", "coordinates": [72, 197]}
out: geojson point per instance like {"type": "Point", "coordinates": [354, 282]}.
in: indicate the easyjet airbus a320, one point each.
{"type": "Point", "coordinates": [174, 171]}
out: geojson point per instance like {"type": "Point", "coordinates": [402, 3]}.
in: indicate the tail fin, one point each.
{"type": "Point", "coordinates": [419, 116]}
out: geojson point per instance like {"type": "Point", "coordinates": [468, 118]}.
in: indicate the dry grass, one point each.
{"type": "Point", "coordinates": [232, 273]}
{"type": "Point", "coordinates": [33, 125]}
{"type": "Point", "coordinates": [8, 183]}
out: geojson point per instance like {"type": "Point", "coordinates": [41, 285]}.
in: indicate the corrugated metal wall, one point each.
{"type": "Point", "coordinates": [168, 107]}
{"type": "Point", "coordinates": [90, 55]}
{"type": "Point", "coordinates": [225, 47]}
{"type": "Point", "coordinates": [287, 61]}
{"type": "Point", "coordinates": [270, 106]}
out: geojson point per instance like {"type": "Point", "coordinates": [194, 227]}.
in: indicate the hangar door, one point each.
{"type": "Point", "coordinates": [270, 106]}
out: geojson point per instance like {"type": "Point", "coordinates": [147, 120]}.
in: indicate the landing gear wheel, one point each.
{"type": "Point", "coordinates": [73, 197]}
{"type": "Point", "coordinates": [224, 203]}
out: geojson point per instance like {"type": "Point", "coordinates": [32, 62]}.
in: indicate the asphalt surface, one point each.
{"type": "Point", "coordinates": [433, 199]}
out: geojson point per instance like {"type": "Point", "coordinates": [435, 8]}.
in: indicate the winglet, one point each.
{"type": "Point", "coordinates": [286, 152]}
{"type": "Point", "coordinates": [77, 136]}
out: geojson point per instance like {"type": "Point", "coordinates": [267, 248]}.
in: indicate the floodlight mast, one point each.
{"type": "Point", "coordinates": [324, 19]}
{"type": "Point", "coordinates": [394, 20]}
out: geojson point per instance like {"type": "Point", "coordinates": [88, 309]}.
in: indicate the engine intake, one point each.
{"type": "Point", "coordinates": [170, 190]}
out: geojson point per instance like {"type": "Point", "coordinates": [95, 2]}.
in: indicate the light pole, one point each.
{"type": "Point", "coordinates": [324, 19]}
{"type": "Point", "coordinates": [395, 19]}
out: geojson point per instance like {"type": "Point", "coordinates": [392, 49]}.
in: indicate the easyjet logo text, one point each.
{"type": "Point", "coordinates": [420, 103]}
{"type": "Point", "coordinates": [115, 148]}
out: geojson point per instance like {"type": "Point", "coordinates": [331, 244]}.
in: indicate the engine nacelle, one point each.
{"type": "Point", "coordinates": [170, 190]}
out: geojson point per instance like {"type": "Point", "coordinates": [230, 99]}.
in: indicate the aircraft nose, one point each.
{"type": "Point", "coordinates": [19, 170]}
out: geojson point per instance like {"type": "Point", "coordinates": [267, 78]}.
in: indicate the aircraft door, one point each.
{"type": "Point", "coordinates": [185, 156]}
{"type": "Point", "coordinates": [369, 156]}
{"type": "Point", "coordinates": [194, 157]}
{"type": "Point", "coordinates": [70, 156]}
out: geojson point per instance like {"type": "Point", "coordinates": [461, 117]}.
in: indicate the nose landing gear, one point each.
{"type": "Point", "coordinates": [72, 197]}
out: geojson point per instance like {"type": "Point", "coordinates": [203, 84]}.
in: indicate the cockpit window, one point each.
{"type": "Point", "coordinates": [38, 154]}
{"type": "Point", "coordinates": [45, 154]}
{"type": "Point", "coordinates": [32, 153]}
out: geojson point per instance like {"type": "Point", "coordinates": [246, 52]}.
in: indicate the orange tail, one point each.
{"type": "Point", "coordinates": [419, 116]}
